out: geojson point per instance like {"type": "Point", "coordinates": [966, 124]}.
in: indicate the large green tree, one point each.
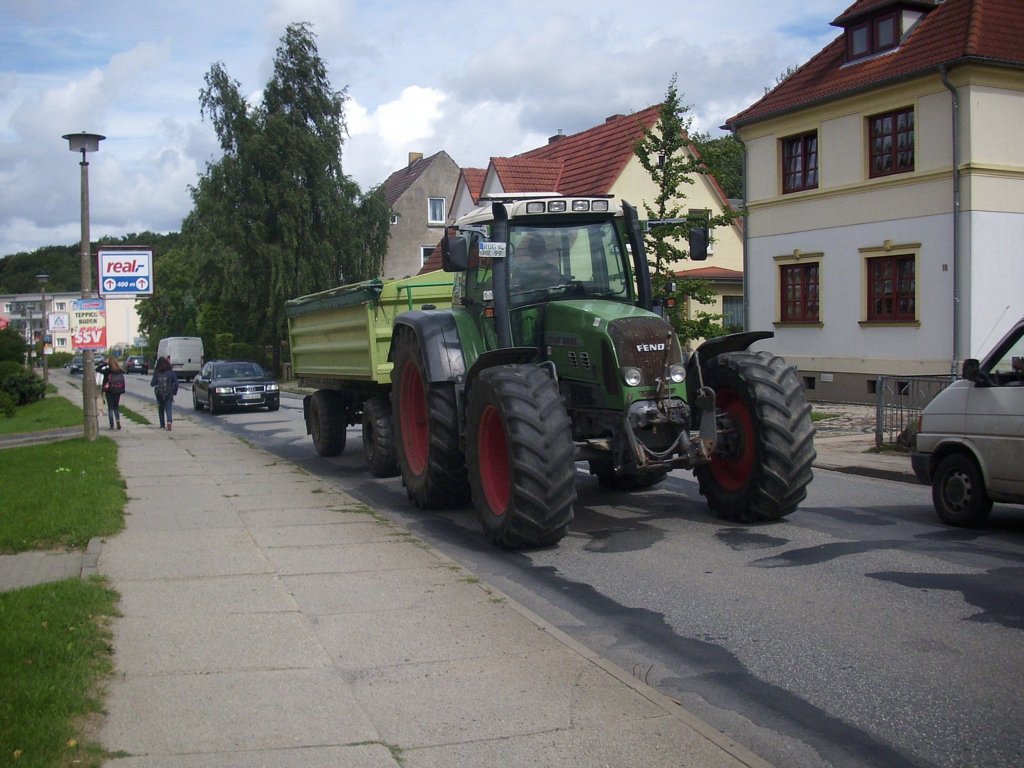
{"type": "Point", "coordinates": [665, 153]}
{"type": "Point", "coordinates": [276, 217]}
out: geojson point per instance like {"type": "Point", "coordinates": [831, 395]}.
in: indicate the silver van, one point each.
{"type": "Point", "coordinates": [970, 442]}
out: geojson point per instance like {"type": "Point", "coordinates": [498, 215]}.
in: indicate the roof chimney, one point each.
{"type": "Point", "coordinates": [414, 157]}
{"type": "Point", "coordinates": [613, 118]}
{"type": "Point", "coordinates": [557, 137]}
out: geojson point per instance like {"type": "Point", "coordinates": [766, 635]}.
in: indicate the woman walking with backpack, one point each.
{"type": "Point", "coordinates": [112, 386]}
{"type": "Point", "coordinates": [165, 384]}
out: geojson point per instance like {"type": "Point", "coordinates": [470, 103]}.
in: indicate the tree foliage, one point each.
{"type": "Point", "coordinates": [667, 153]}
{"type": "Point", "coordinates": [724, 156]}
{"type": "Point", "coordinates": [276, 217]}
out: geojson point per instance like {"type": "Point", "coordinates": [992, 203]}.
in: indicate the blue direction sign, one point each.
{"type": "Point", "coordinates": [124, 272]}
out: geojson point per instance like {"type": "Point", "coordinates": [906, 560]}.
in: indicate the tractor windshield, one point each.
{"type": "Point", "coordinates": [581, 260]}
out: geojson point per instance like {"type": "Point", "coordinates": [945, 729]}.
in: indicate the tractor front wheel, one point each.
{"type": "Point", "coordinates": [765, 442]}
{"type": "Point", "coordinates": [519, 447]}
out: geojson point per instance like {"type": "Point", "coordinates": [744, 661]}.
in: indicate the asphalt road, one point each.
{"type": "Point", "coordinates": [857, 632]}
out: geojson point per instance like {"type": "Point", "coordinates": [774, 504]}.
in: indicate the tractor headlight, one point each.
{"type": "Point", "coordinates": [677, 373]}
{"type": "Point", "coordinates": [632, 376]}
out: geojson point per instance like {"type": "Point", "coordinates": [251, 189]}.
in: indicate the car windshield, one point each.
{"type": "Point", "coordinates": [237, 371]}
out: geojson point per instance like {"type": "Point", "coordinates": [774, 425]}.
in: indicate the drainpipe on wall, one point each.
{"type": "Point", "coordinates": [957, 347]}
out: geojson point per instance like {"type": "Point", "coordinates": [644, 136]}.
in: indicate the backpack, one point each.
{"type": "Point", "coordinates": [115, 383]}
{"type": "Point", "coordinates": [164, 385]}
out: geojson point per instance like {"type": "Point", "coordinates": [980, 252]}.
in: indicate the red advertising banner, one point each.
{"type": "Point", "coordinates": [89, 324]}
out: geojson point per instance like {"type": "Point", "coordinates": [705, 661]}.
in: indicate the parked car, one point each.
{"type": "Point", "coordinates": [77, 364]}
{"type": "Point", "coordinates": [970, 442]}
{"type": "Point", "coordinates": [225, 384]}
{"type": "Point", "coordinates": [136, 364]}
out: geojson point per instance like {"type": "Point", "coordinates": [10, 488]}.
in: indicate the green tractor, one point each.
{"type": "Point", "coordinates": [555, 352]}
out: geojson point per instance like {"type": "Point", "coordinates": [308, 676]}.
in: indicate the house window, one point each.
{"type": "Point", "coordinates": [425, 251]}
{"type": "Point", "coordinates": [799, 286]}
{"type": "Point", "coordinates": [435, 210]}
{"type": "Point", "coordinates": [800, 162]}
{"type": "Point", "coordinates": [732, 314]}
{"type": "Point", "coordinates": [892, 289]}
{"type": "Point", "coordinates": [876, 35]}
{"type": "Point", "coordinates": [394, 218]}
{"type": "Point", "coordinates": [892, 142]}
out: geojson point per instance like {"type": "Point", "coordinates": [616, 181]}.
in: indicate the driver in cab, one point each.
{"type": "Point", "coordinates": [534, 266]}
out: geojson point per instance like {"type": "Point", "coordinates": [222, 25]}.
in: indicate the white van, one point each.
{"type": "Point", "coordinates": [970, 443]}
{"type": "Point", "coordinates": [186, 353]}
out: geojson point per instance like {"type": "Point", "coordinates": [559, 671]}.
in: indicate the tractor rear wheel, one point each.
{"type": "Point", "coordinates": [521, 457]}
{"type": "Point", "coordinates": [426, 430]}
{"type": "Point", "coordinates": [378, 438]}
{"type": "Point", "coordinates": [327, 421]}
{"type": "Point", "coordinates": [762, 461]}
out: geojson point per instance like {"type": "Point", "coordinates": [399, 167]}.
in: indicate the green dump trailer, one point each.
{"type": "Point", "coordinates": [340, 341]}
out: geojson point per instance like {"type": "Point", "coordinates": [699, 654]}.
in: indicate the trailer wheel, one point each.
{"type": "Point", "coordinates": [378, 438]}
{"type": "Point", "coordinates": [426, 430]}
{"type": "Point", "coordinates": [762, 462]}
{"type": "Point", "coordinates": [521, 457]}
{"type": "Point", "coordinates": [327, 422]}
{"type": "Point", "coordinates": [958, 492]}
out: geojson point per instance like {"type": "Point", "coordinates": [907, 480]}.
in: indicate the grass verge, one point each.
{"type": "Point", "coordinates": [54, 648]}
{"type": "Point", "coordinates": [48, 413]}
{"type": "Point", "coordinates": [60, 494]}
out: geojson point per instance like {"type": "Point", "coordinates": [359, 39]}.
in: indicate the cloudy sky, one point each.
{"type": "Point", "coordinates": [475, 79]}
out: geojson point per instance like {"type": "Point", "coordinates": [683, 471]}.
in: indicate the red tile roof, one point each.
{"type": "Point", "coordinates": [589, 162]}
{"type": "Point", "coordinates": [713, 273]}
{"type": "Point", "coordinates": [474, 178]}
{"type": "Point", "coordinates": [954, 32]}
{"type": "Point", "coordinates": [525, 174]}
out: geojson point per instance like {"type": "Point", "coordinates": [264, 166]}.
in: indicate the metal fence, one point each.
{"type": "Point", "coordinates": [899, 400]}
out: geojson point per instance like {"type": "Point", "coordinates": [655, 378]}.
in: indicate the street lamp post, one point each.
{"type": "Point", "coordinates": [86, 142]}
{"type": "Point", "coordinates": [46, 324]}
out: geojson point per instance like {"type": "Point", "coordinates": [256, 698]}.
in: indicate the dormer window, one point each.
{"type": "Point", "coordinates": [872, 27]}
{"type": "Point", "coordinates": [876, 35]}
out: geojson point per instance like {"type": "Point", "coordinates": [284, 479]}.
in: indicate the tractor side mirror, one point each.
{"type": "Point", "coordinates": [698, 241]}
{"type": "Point", "coordinates": [970, 369]}
{"type": "Point", "coordinates": [454, 254]}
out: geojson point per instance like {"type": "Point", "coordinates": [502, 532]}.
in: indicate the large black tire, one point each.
{"type": "Point", "coordinates": [378, 438]}
{"type": "Point", "coordinates": [426, 430]}
{"type": "Point", "coordinates": [195, 401]}
{"type": "Point", "coordinates": [958, 492]}
{"type": "Point", "coordinates": [521, 456]}
{"type": "Point", "coordinates": [762, 462]}
{"type": "Point", "coordinates": [327, 422]}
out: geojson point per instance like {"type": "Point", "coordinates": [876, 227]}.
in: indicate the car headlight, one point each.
{"type": "Point", "coordinates": [677, 373]}
{"type": "Point", "coordinates": [272, 387]}
{"type": "Point", "coordinates": [632, 376]}
{"type": "Point", "coordinates": [222, 390]}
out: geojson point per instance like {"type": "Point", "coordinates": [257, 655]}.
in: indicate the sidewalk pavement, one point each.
{"type": "Point", "coordinates": [271, 620]}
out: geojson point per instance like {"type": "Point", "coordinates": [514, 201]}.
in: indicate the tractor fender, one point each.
{"type": "Point", "coordinates": [438, 338]}
{"type": "Point", "coordinates": [719, 345]}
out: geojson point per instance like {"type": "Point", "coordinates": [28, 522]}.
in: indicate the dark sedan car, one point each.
{"type": "Point", "coordinates": [224, 384]}
{"type": "Point", "coordinates": [136, 364]}
{"type": "Point", "coordinates": [76, 365]}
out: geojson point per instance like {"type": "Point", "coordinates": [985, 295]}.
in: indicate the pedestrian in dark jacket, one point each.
{"type": "Point", "coordinates": [165, 385]}
{"type": "Point", "coordinates": [112, 385]}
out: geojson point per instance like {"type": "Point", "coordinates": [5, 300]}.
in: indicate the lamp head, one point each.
{"type": "Point", "coordinates": [83, 142]}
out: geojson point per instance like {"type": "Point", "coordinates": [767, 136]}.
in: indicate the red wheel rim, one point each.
{"type": "Point", "coordinates": [415, 432]}
{"type": "Point", "coordinates": [732, 471]}
{"type": "Point", "coordinates": [493, 456]}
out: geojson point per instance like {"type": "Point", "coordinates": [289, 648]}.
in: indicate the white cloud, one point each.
{"type": "Point", "coordinates": [421, 77]}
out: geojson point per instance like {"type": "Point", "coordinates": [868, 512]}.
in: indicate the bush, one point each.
{"type": "Point", "coordinates": [12, 345]}
{"type": "Point", "coordinates": [7, 404]}
{"type": "Point", "coordinates": [20, 385]}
